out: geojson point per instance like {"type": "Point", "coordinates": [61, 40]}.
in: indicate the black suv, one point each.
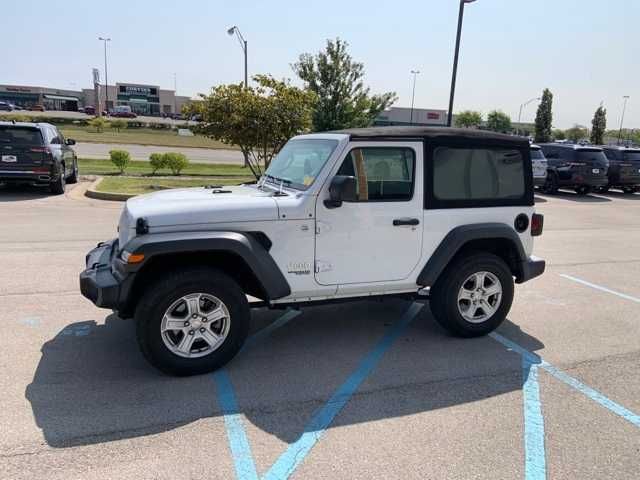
{"type": "Point", "coordinates": [624, 168]}
{"type": "Point", "coordinates": [36, 154]}
{"type": "Point", "coordinates": [582, 168]}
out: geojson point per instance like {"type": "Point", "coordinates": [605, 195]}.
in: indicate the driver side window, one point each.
{"type": "Point", "coordinates": [382, 173]}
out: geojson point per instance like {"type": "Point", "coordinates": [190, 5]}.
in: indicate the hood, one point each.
{"type": "Point", "coordinates": [189, 206]}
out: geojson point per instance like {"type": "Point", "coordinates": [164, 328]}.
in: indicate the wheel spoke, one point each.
{"type": "Point", "coordinates": [493, 289]}
{"type": "Point", "coordinates": [216, 314]}
{"type": "Point", "coordinates": [472, 310]}
{"type": "Point", "coordinates": [185, 344]}
{"type": "Point", "coordinates": [488, 309]}
{"type": "Point", "coordinates": [211, 338]}
{"type": "Point", "coordinates": [464, 294]}
{"type": "Point", "coordinates": [193, 304]}
{"type": "Point", "coordinates": [172, 323]}
{"type": "Point", "coordinates": [479, 279]}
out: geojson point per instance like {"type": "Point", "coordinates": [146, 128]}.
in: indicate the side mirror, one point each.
{"type": "Point", "coordinates": [342, 189]}
{"type": "Point", "coordinates": [70, 141]}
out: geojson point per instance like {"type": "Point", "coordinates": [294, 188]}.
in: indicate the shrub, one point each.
{"type": "Point", "coordinates": [158, 161]}
{"type": "Point", "coordinates": [98, 123]}
{"type": "Point", "coordinates": [118, 124]}
{"type": "Point", "coordinates": [16, 118]}
{"type": "Point", "coordinates": [120, 158]}
{"type": "Point", "coordinates": [176, 162]}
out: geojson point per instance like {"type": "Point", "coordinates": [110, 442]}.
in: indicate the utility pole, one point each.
{"type": "Point", "coordinates": [175, 92]}
{"type": "Point", "coordinates": [624, 108]}
{"type": "Point", "coordinates": [413, 94]}
{"type": "Point", "coordinates": [106, 76]}
{"type": "Point", "coordinates": [455, 60]}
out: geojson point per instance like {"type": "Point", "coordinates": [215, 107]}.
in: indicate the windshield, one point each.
{"type": "Point", "coordinates": [591, 156]}
{"type": "Point", "coordinates": [20, 136]}
{"type": "Point", "coordinates": [299, 162]}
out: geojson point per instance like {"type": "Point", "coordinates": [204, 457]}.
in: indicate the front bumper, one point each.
{"type": "Point", "coordinates": [539, 181]}
{"type": "Point", "coordinates": [530, 268]}
{"type": "Point", "coordinates": [98, 282]}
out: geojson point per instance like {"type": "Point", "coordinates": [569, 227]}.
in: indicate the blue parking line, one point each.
{"type": "Point", "coordinates": [238, 442]}
{"type": "Point", "coordinates": [297, 451]}
{"type": "Point", "coordinates": [535, 459]}
{"type": "Point", "coordinates": [569, 380]}
{"type": "Point", "coordinates": [600, 287]}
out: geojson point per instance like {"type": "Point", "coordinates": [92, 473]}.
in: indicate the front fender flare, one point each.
{"type": "Point", "coordinates": [244, 245]}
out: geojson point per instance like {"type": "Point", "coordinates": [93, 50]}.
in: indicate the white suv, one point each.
{"type": "Point", "coordinates": [423, 213]}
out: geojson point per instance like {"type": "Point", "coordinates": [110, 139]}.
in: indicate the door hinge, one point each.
{"type": "Point", "coordinates": [322, 266]}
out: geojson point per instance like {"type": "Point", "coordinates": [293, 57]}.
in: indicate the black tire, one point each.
{"type": "Point", "coordinates": [583, 190]}
{"type": "Point", "coordinates": [57, 187]}
{"type": "Point", "coordinates": [443, 299]}
{"type": "Point", "coordinates": [161, 295]}
{"type": "Point", "coordinates": [73, 178]}
{"type": "Point", "coordinates": [551, 184]}
{"type": "Point", "coordinates": [604, 189]}
{"type": "Point", "coordinates": [628, 190]}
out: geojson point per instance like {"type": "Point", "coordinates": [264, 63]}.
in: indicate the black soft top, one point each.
{"type": "Point", "coordinates": [459, 134]}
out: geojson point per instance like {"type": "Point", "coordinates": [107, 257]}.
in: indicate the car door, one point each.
{"type": "Point", "coordinates": [379, 237]}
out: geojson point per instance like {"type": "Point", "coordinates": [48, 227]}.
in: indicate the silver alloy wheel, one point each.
{"type": "Point", "coordinates": [195, 325]}
{"type": "Point", "coordinates": [479, 297]}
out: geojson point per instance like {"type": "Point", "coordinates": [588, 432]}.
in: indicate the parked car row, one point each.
{"type": "Point", "coordinates": [585, 168]}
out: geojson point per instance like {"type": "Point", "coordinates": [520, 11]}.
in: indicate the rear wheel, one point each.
{"type": "Point", "coordinates": [629, 189]}
{"type": "Point", "coordinates": [473, 295]}
{"type": "Point", "coordinates": [551, 184]}
{"type": "Point", "coordinates": [57, 186]}
{"type": "Point", "coordinates": [73, 178]}
{"type": "Point", "coordinates": [193, 322]}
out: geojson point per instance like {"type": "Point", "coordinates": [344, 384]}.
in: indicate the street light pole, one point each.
{"type": "Point", "coordinates": [175, 92]}
{"type": "Point", "coordinates": [455, 60]}
{"type": "Point", "coordinates": [106, 77]}
{"type": "Point", "coordinates": [413, 94]}
{"type": "Point", "coordinates": [243, 44]}
{"type": "Point", "coordinates": [521, 107]}
{"type": "Point", "coordinates": [624, 108]}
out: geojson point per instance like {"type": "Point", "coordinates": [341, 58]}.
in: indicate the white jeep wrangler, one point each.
{"type": "Point", "coordinates": [425, 213]}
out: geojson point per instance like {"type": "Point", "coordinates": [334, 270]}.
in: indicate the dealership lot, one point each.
{"type": "Point", "coordinates": [363, 390]}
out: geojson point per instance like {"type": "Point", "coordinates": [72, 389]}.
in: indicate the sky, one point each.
{"type": "Point", "coordinates": [584, 51]}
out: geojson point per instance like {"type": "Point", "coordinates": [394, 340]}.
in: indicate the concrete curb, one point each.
{"type": "Point", "coordinates": [114, 197]}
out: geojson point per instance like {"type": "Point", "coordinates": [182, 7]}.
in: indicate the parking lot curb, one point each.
{"type": "Point", "coordinates": [114, 197]}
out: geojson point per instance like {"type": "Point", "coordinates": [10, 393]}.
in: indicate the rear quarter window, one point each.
{"type": "Point", "coordinates": [20, 136]}
{"type": "Point", "coordinates": [470, 174]}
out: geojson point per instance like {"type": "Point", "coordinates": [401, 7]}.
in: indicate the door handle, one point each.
{"type": "Point", "coordinates": [405, 221]}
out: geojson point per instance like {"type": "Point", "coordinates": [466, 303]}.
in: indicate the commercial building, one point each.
{"type": "Point", "coordinates": [403, 116]}
{"type": "Point", "coordinates": [51, 98]}
{"type": "Point", "coordinates": [143, 99]}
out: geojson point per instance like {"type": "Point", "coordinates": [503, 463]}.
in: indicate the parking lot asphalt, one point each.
{"type": "Point", "coordinates": [364, 390]}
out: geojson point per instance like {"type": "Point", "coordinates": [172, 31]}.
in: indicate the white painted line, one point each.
{"type": "Point", "coordinates": [601, 288]}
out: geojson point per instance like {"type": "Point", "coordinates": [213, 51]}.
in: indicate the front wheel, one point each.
{"type": "Point", "coordinates": [73, 178]}
{"type": "Point", "coordinates": [473, 295]}
{"type": "Point", "coordinates": [551, 184]}
{"type": "Point", "coordinates": [193, 322]}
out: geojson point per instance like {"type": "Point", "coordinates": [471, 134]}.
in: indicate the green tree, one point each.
{"type": "Point", "coordinates": [98, 123]}
{"type": "Point", "coordinates": [158, 161]}
{"type": "Point", "coordinates": [118, 124]}
{"type": "Point", "coordinates": [120, 158]}
{"type": "Point", "coordinates": [176, 162]}
{"type": "Point", "coordinates": [499, 121]}
{"type": "Point", "coordinates": [576, 133]}
{"type": "Point", "coordinates": [544, 117]}
{"type": "Point", "coordinates": [259, 120]}
{"type": "Point", "coordinates": [343, 101]}
{"type": "Point", "coordinates": [598, 125]}
{"type": "Point", "coordinates": [468, 119]}
{"type": "Point", "coordinates": [558, 134]}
